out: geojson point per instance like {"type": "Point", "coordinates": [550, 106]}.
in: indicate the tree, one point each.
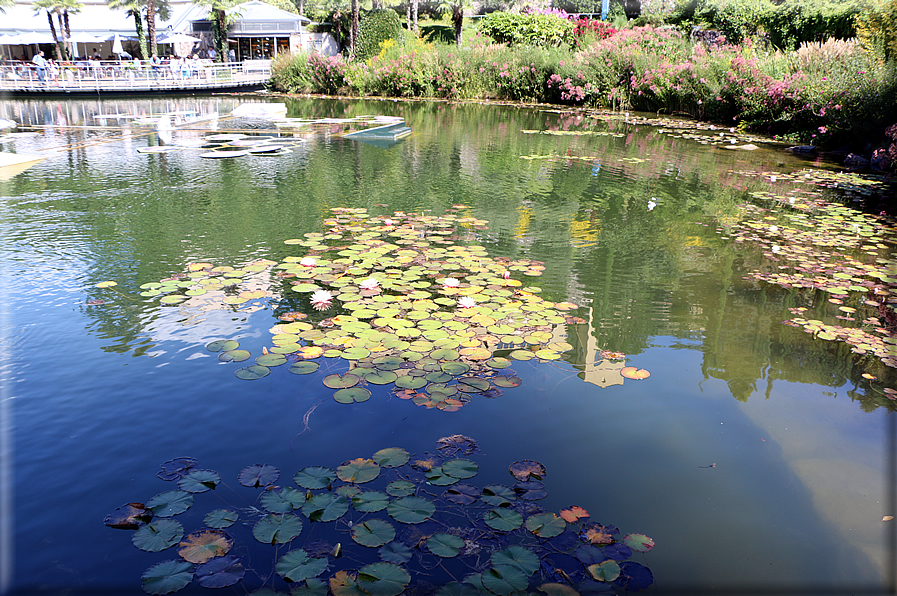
{"type": "Point", "coordinates": [455, 8]}
{"type": "Point", "coordinates": [218, 16]}
{"type": "Point", "coordinates": [4, 4]}
{"type": "Point", "coordinates": [52, 8]}
{"type": "Point", "coordinates": [133, 10]}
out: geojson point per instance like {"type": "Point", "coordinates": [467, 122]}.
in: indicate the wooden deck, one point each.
{"type": "Point", "coordinates": [115, 78]}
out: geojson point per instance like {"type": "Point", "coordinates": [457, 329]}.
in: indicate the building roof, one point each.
{"type": "Point", "coordinates": [255, 10]}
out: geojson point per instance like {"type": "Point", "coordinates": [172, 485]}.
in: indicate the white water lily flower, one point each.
{"type": "Point", "coordinates": [369, 284]}
{"type": "Point", "coordinates": [776, 249]}
{"type": "Point", "coordinates": [308, 262]}
{"type": "Point", "coordinates": [467, 302]}
{"type": "Point", "coordinates": [451, 282]}
{"type": "Point", "coordinates": [321, 299]}
{"type": "Point", "coordinates": [773, 229]}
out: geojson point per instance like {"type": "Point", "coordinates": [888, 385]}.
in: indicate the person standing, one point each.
{"type": "Point", "coordinates": [41, 63]}
{"type": "Point", "coordinates": [231, 55]}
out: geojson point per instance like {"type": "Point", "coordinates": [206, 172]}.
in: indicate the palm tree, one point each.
{"type": "Point", "coordinates": [456, 9]}
{"type": "Point", "coordinates": [219, 18]}
{"type": "Point", "coordinates": [68, 7]}
{"type": "Point", "coordinates": [53, 8]}
{"type": "Point", "coordinates": [133, 9]}
{"type": "Point", "coordinates": [6, 3]}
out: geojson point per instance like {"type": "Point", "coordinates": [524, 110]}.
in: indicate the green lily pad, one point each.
{"type": "Point", "coordinates": [411, 510]}
{"type": "Point", "coordinates": [258, 475]}
{"type": "Point", "coordinates": [381, 377]}
{"type": "Point", "coordinates": [220, 518]}
{"type": "Point", "coordinates": [460, 468]}
{"type": "Point", "coordinates": [312, 587]}
{"type": "Point", "coordinates": [314, 477]}
{"type": "Point", "coordinates": [169, 503]}
{"type": "Point", "coordinates": [282, 500]}
{"type": "Point", "coordinates": [199, 481]}
{"type": "Point", "coordinates": [304, 367]}
{"type": "Point", "coordinates": [224, 345]}
{"type": "Point", "coordinates": [352, 395]}
{"type": "Point", "coordinates": [522, 355]}
{"type": "Point", "coordinates": [411, 382]}
{"type": "Point", "coordinates": [638, 542]}
{"type": "Point", "coordinates": [437, 477]}
{"type": "Point", "coordinates": [391, 457]}
{"type": "Point", "coordinates": [606, 571]}
{"type": "Point", "coordinates": [325, 507]}
{"type": "Point", "coordinates": [503, 580]}
{"type": "Point", "coordinates": [336, 381]}
{"type": "Point", "coordinates": [400, 488]}
{"type": "Point", "coordinates": [546, 525]}
{"type": "Point", "coordinates": [252, 373]}
{"type": "Point", "coordinates": [383, 579]}
{"type": "Point", "coordinates": [517, 556]}
{"type": "Point", "coordinates": [277, 528]}
{"type": "Point", "coordinates": [234, 356]}
{"type": "Point", "coordinates": [158, 535]}
{"type": "Point", "coordinates": [358, 471]}
{"type": "Point", "coordinates": [167, 577]}
{"type": "Point", "coordinates": [445, 545]}
{"type": "Point", "coordinates": [370, 501]}
{"type": "Point", "coordinates": [296, 566]}
{"type": "Point", "coordinates": [373, 533]}
{"type": "Point", "coordinates": [506, 382]}
{"type": "Point", "coordinates": [270, 360]}
{"type": "Point", "coordinates": [503, 519]}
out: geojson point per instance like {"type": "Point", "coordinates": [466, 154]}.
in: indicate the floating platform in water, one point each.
{"type": "Point", "coordinates": [386, 133]}
{"type": "Point", "coordinates": [15, 163]}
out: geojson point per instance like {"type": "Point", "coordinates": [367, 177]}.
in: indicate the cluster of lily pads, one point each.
{"type": "Point", "coordinates": [384, 520]}
{"type": "Point", "coordinates": [397, 299]}
{"type": "Point", "coordinates": [229, 145]}
{"type": "Point", "coordinates": [817, 245]}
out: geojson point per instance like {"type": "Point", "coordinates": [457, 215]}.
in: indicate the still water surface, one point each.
{"type": "Point", "coordinates": [97, 396]}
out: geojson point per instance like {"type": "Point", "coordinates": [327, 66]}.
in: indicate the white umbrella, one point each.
{"type": "Point", "coordinates": [116, 46]}
{"type": "Point", "coordinates": [178, 38]}
{"type": "Point", "coordinates": [84, 39]}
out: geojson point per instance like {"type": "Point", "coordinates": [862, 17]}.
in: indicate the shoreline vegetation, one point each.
{"type": "Point", "coordinates": [754, 71]}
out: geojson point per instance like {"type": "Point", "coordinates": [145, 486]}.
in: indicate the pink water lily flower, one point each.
{"type": "Point", "coordinates": [321, 299]}
{"type": "Point", "coordinates": [467, 302]}
{"type": "Point", "coordinates": [308, 262]}
{"type": "Point", "coordinates": [369, 284]}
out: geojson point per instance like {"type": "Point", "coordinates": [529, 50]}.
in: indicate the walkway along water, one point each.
{"type": "Point", "coordinates": [127, 77]}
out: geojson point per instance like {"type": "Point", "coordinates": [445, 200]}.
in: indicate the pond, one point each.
{"type": "Point", "coordinates": [519, 346]}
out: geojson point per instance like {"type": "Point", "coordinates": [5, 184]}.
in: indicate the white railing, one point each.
{"type": "Point", "coordinates": [132, 76]}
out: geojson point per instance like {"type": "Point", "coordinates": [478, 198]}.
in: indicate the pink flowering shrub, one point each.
{"type": "Point", "coordinates": [327, 73]}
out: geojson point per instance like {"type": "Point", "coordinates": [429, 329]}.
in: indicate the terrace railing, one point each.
{"type": "Point", "coordinates": [132, 76]}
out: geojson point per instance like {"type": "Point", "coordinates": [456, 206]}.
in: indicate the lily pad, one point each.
{"type": "Point", "coordinates": [282, 500]}
{"type": "Point", "coordinates": [498, 495]}
{"type": "Point", "coordinates": [258, 475]}
{"type": "Point", "coordinates": [370, 501]}
{"type": "Point", "coordinates": [129, 517]}
{"type": "Point", "coordinates": [220, 518]}
{"type": "Point", "coordinates": [199, 481]}
{"type": "Point", "coordinates": [336, 381]}
{"type": "Point", "coordinates": [463, 494]}
{"type": "Point", "coordinates": [314, 477]}
{"type": "Point", "coordinates": [517, 556]}
{"type": "Point", "coordinates": [383, 579]}
{"type": "Point", "coordinates": [203, 545]}
{"type": "Point", "coordinates": [296, 566]}
{"type": "Point", "coordinates": [400, 488]}
{"type": "Point", "coordinates": [391, 457]}
{"type": "Point", "coordinates": [445, 545]}
{"type": "Point", "coordinates": [373, 533]}
{"type": "Point", "coordinates": [158, 535]}
{"type": "Point", "coordinates": [352, 395]}
{"type": "Point", "coordinates": [252, 373]}
{"type": "Point", "coordinates": [358, 471]}
{"type": "Point", "coordinates": [606, 571]}
{"type": "Point", "coordinates": [303, 367]}
{"type": "Point", "coordinates": [460, 468]}
{"type": "Point", "coordinates": [167, 577]}
{"type": "Point", "coordinates": [326, 507]}
{"type": "Point", "coordinates": [504, 580]}
{"type": "Point", "coordinates": [220, 572]}
{"type": "Point", "coordinates": [546, 525]}
{"type": "Point", "coordinates": [411, 510]}
{"type": "Point", "coordinates": [169, 503]}
{"type": "Point", "coordinates": [527, 469]}
{"type": "Point", "coordinates": [503, 519]}
{"type": "Point", "coordinates": [638, 542]}
{"type": "Point", "coordinates": [395, 552]}
{"type": "Point", "coordinates": [277, 528]}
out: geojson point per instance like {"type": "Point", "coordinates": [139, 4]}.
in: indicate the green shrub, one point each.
{"type": "Point", "coordinates": [527, 29]}
{"type": "Point", "coordinates": [376, 27]}
{"type": "Point", "coordinates": [289, 72]}
{"type": "Point", "coordinates": [797, 21]}
{"type": "Point", "coordinates": [877, 29]}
